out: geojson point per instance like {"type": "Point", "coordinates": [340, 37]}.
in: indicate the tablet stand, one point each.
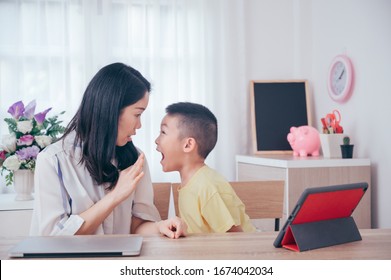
{"type": "Point", "coordinates": [308, 236]}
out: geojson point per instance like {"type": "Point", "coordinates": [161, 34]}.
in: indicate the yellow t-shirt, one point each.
{"type": "Point", "coordinates": [207, 203]}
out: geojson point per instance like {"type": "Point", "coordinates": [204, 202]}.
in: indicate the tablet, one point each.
{"type": "Point", "coordinates": [322, 217]}
{"type": "Point", "coordinates": [77, 246]}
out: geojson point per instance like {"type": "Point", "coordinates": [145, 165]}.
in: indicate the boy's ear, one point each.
{"type": "Point", "coordinates": [189, 145]}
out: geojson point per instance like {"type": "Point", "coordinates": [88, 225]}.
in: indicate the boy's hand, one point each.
{"type": "Point", "coordinates": [173, 227]}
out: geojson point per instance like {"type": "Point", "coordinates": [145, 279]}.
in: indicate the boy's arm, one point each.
{"type": "Point", "coordinates": [216, 213]}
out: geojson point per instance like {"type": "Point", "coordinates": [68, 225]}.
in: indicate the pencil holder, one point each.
{"type": "Point", "coordinates": [330, 144]}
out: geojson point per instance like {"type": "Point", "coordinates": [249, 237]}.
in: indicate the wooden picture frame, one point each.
{"type": "Point", "coordinates": [276, 106]}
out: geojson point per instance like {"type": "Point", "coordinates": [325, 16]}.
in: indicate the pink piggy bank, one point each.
{"type": "Point", "coordinates": [304, 141]}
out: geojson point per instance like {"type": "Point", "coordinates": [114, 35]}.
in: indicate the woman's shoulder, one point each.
{"type": "Point", "coordinates": [63, 146]}
{"type": "Point", "coordinates": [52, 149]}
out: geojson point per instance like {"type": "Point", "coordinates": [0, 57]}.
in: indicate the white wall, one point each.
{"type": "Point", "coordinates": [298, 39]}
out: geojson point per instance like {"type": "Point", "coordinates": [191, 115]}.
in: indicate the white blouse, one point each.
{"type": "Point", "coordinates": [64, 189]}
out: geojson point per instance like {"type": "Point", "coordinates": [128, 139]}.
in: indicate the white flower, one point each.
{"type": "Point", "coordinates": [9, 142]}
{"type": "Point", "coordinates": [43, 140]}
{"type": "Point", "coordinates": [12, 163]}
{"type": "Point", "coordinates": [25, 126]}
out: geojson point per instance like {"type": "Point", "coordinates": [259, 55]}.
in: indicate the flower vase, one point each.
{"type": "Point", "coordinates": [24, 184]}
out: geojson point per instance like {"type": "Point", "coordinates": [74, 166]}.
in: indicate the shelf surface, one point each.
{"type": "Point", "coordinates": [8, 203]}
{"type": "Point", "coordinates": [290, 161]}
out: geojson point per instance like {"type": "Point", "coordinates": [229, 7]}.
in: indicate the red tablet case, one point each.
{"type": "Point", "coordinates": [322, 217]}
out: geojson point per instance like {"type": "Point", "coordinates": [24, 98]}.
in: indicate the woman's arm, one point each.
{"type": "Point", "coordinates": [172, 228]}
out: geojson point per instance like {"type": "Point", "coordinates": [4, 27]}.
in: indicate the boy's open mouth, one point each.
{"type": "Point", "coordinates": [161, 154]}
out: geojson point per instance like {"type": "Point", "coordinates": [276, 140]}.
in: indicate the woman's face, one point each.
{"type": "Point", "coordinates": [130, 120]}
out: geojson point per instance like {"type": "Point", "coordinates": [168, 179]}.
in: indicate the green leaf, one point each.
{"type": "Point", "coordinates": [12, 126]}
{"type": "Point", "coordinates": [9, 179]}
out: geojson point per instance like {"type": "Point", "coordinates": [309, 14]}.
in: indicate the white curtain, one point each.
{"type": "Point", "coordinates": [190, 50]}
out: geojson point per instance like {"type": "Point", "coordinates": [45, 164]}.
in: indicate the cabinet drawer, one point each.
{"type": "Point", "coordinates": [15, 222]}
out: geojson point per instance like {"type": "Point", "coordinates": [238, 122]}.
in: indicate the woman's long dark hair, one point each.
{"type": "Point", "coordinates": [113, 88]}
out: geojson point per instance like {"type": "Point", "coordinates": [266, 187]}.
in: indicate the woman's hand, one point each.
{"type": "Point", "coordinates": [127, 182]}
{"type": "Point", "coordinates": [173, 227]}
{"type": "Point", "coordinates": [128, 179]}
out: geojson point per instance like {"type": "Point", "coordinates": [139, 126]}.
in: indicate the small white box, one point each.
{"type": "Point", "coordinates": [331, 145]}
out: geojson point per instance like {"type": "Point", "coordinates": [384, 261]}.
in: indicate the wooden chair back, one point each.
{"type": "Point", "coordinates": [262, 199]}
{"type": "Point", "coordinates": [161, 198]}
{"type": "Point", "coordinates": [175, 187]}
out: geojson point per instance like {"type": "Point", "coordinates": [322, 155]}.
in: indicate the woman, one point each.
{"type": "Point", "coordinates": [94, 180]}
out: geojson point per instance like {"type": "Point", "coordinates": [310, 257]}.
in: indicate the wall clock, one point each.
{"type": "Point", "coordinates": [340, 78]}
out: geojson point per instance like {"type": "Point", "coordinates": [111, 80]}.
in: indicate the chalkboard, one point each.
{"type": "Point", "coordinates": [276, 106]}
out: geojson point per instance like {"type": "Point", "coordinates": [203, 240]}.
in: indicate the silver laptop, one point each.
{"type": "Point", "coordinates": [77, 246]}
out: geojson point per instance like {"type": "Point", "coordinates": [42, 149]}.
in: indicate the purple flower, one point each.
{"type": "Point", "coordinates": [26, 140]}
{"type": "Point", "coordinates": [40, 117]}
{"type": "Point", "coordinates": [16, 110]}
{"type": "Point", "coordinates": [28, 153]}
{"type": "Point", "coordinates": [29, 110]}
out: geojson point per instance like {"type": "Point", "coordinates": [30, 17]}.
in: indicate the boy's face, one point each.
{"type": "Point", "coordinates": [169, 144]}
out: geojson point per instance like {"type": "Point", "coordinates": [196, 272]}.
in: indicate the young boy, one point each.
{"type": "Point", "coordinates": [206, 202]}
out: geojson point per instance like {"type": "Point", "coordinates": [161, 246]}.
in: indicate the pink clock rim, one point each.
{"type": "Point", "coordinates": [345, 95]}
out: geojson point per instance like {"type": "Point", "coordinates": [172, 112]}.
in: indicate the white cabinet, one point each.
{"type": "Point", "coordinates": [15, 216]}
{"type": "Point", "coordinates": [300, 173]}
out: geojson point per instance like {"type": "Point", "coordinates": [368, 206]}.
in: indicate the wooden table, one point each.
{"type": "Point", "coordinates": [375, 245]}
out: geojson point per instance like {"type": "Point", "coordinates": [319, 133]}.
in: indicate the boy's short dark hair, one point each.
{"type": "Point", "coordinates": [198, 122]}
